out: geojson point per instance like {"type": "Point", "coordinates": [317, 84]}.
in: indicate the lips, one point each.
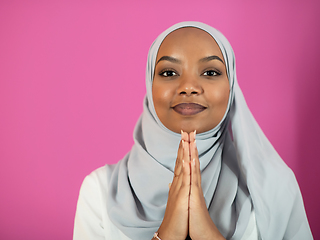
{"type": "Point", "coordinates": [188, 108]}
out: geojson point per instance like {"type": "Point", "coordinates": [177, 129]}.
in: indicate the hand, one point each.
{"type": "Point", "coordinates": [201, 225]}
{"type": "Point", "coordinates": [186, 211]}
{"type": "Point", "coordinates": [175, 222]}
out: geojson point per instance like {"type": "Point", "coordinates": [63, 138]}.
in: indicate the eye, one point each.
{"type": "Point", "coordinates": [211, 73]}
{"type": "Point", "coordinates": [168, 73]}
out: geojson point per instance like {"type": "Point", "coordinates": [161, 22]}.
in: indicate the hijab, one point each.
{"type": "Point", "coordinates": [240, 169]}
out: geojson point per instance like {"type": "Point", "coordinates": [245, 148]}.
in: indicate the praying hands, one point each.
{"type": "Point", "coordinates": [186, 213]}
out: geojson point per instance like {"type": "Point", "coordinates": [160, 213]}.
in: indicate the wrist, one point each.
{"type": "Point", "coordinates": [164, 234]}
{"type": "Point", "coordinates": [156, 236]}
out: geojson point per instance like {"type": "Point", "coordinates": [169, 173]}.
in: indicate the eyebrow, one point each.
{"type": "Point", "coordinates": [175, 60]}
{"type": "Point", "coordinates": [214, 57]}
{"type": "Point", "coordinates": [168, 58]}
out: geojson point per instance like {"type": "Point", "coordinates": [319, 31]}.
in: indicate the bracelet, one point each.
{"type": "Point", "coordinates": [155, 235]}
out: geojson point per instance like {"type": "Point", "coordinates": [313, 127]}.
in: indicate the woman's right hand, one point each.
{"type": "Point", "coordinates": [175, 222]}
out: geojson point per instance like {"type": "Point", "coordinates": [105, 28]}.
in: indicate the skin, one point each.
{"type": "Point", "coordinates": [194, 80]}
{"type": "Point", "coordinates": [183, 74]}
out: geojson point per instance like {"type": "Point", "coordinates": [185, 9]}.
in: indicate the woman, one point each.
{"type": "Point", "coordinates": [197, 136]}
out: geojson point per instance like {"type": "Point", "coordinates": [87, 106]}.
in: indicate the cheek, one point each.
{"type": "Point", "coordinates": [162, 95]}
{"type": "Point", "coordinates": [156, 95]}
{"type": "Point", "coordinates": [219, 97]}
{"type": "Point", "coordinates": [159, 100]}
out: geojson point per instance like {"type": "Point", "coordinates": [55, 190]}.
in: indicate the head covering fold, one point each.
{"type": "Point", "coordinates": [240, 169]}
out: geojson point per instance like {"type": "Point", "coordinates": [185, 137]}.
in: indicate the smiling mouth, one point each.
{"type": "Point", "coordinates": [188, 108]}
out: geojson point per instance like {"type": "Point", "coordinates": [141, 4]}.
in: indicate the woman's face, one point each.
{"type": "Point", "coordinates": [190, 86]}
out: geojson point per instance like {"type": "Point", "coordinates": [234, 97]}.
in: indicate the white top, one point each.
{"type": "Point", "coordinates": [92, 221]}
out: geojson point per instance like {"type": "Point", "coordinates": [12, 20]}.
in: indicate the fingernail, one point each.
{"type": "Point", "coordinates": [195, 132]}
{"type": "Point", "coordinates": [195, 141]}
{"type": "Point", "coordinates": [181, 132]}
{"type": "Point", "coordinates": [194, 162]}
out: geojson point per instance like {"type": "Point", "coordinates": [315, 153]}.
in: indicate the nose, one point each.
{"type": "Point", "coordinates": [189, 85]}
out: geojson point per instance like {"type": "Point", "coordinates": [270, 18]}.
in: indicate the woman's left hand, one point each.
{"type": "Point", "coordinates": [201, 225]}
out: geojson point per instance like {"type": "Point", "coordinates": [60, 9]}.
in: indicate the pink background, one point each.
{"type": "Point", "coordinates": [72, 85]}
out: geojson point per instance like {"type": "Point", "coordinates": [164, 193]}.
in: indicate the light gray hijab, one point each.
{"type": "Point", "coordinates": [240, 169]}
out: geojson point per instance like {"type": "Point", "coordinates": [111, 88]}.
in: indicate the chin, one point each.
{"type": "Point", "coordinates": [190, 128]}
{"type": "Point", "coordinates": [200, 129]}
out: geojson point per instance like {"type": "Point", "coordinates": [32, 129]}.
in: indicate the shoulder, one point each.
{"type": "Point", "coordinates": [102, 173]}
{"type": "Point", "coordinates": [92, 220]}
{"type": "Point", "coordinates": [99, 177]}
{"type": "Point", "coordinates": [94, 188]}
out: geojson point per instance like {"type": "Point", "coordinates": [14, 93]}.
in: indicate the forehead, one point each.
{"type": "Point", "coordinates": [186, 38]}
{"type": "Point", "coordinates": [188, 32]}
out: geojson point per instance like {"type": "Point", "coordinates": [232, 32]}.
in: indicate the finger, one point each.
{"type": "Point", "coordinates": [194, 178]}
{"type": "Point", "coordinates": [177, 169]}
{"type": "Point", "coordinates": [186, 168]}
{"type": "Point", "coordinates": [197, 162]}
{"type": "Point", "coordinates": [192, 136]}
{"type": "Point", "coordinates": [184, 136]}
{"type": "Point", "coordinates": [178, 178]}
{"type": "Point", "coordinates": [195, 165]}
{"type": "Point", "coordinates": [185, 179]}
{"type": "Point", "coordinates": [193, 146]}
{"type": "Point", "coordinates": [186, 151]}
